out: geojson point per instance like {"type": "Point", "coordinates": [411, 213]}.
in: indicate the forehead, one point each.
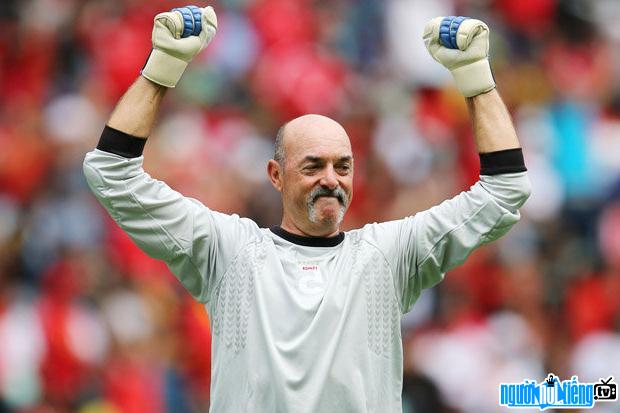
{"type": "Point", "coordinates": [316, 136]}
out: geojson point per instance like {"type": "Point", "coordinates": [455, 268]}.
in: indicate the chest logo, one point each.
{"type": "Point", "coordinates": [310, 281]}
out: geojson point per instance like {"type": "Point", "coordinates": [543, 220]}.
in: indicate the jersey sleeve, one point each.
{"type": "Point", "coordinates": [196, 243]}
{"type": "Point", "coordinates": [420, 249]}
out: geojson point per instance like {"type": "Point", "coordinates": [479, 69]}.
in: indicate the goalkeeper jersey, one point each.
{"type": "Point", "coordinates": [303, 324]}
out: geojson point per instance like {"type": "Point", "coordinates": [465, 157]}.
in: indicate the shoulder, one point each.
{"type": "Point", "coordinates": [382, 235]}
{"type": "Point", "coordinates": [376, 230]}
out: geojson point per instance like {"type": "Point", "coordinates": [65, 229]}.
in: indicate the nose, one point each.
{"type": "Point", "coordinates": [329, 178]}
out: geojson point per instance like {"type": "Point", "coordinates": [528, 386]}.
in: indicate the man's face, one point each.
{"type": "Point", "coordinates": [317, 178]}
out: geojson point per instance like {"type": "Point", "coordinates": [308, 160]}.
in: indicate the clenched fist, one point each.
{"type": "Point", "coordinates": [178, 36]}
{"type": "Point", "coordinates": [461, 44]}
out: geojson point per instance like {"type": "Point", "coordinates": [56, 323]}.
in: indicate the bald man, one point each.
{"type": "Point", "coordinates": [305, 317]}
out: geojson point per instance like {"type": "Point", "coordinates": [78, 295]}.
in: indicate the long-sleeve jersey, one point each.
{"type": "Point", "coordinates": [303, 324]}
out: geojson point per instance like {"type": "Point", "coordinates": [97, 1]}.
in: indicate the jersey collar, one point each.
{"type": "Point", "coordinates": [308, 241]}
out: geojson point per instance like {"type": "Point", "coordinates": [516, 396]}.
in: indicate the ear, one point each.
{"type": "Point", "coordinates": [274, 170]}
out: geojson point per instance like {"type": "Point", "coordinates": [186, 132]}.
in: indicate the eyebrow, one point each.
{"type": "Point", "coordinates": [317, 159]}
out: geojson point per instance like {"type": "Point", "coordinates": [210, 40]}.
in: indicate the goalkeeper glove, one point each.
{"type": "Point", "coordinates": [461, 44]}
{"type": "Point", "coordinates": [178, 36]}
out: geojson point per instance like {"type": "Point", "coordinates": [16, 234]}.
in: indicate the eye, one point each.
{"type": "Point", "coordinates": [310, 168]}
{"type": "Point", "coordinates": [343, 169]}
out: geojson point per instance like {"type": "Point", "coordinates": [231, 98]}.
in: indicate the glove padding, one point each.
{"type": "Point", "coordinates": [171, 53]}
{"type": "Point", "coordinates": [462, 46]}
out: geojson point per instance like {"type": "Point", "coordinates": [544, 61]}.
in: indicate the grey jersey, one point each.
{"type": "Point", "coordinates": [303, 325]}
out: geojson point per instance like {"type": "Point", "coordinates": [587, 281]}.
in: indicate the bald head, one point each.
{"type": "Point", "coordinates": [308, 129]}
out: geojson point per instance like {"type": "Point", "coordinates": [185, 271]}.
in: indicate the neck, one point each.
{"type": "Point", "coordinates": [290, 226]}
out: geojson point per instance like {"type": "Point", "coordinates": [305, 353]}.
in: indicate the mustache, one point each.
{"type": "Point", "coordinates": [320, 191]}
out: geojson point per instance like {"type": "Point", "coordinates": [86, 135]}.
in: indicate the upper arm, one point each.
{"type": "Point", "coordinates": [423, 247]}
{"type": "Point", "coordinates": [195, 242]}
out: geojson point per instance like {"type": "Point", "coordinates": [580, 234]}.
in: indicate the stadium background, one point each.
{"type": "Point", "coordinates": [89, 324]}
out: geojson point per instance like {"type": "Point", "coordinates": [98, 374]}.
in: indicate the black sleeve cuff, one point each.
{"type": "Point", "coordinates": [120, 143]}
{"type": "Point", "coordinates": [502, 162]}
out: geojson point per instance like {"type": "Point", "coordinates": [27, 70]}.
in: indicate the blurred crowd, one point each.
{"type": "Point", "coordinates": [89, 324]}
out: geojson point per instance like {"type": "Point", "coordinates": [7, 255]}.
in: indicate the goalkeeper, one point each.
{"type": "Point", "coordinates": [305, 317]}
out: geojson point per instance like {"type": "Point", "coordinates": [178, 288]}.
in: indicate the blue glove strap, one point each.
{"type": "Point", "coordinates": [191, 20]}
{"type": "Point", "coordinates": [197, 13]}
{"type": "Point", "coordinates": [447, 30]}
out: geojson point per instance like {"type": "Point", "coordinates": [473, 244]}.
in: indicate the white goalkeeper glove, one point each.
{"type": "Point", "coordinates": [461, 44]}
{"type": "Point", "coordinates": [178, 36]}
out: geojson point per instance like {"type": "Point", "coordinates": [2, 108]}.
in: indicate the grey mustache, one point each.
{"type": "Point", "coordinates": [322, 191]}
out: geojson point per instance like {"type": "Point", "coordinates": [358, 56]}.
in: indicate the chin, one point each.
{"type": "Point", "coordinates": [332, 218]}
{"type": "Point", "coordinates": [329, 221]}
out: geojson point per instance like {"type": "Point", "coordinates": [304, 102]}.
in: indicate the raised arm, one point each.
{"type": "Point", "coordinates": [176, 42]}
{"type": "Point", "coordinates": [197, 244]}
{"type": "Point", "coordinates": [432, 242]}
{"type": "Point", "coordinates": [461, 45]}
{"type": "Point", "coordinates": [137, 110]}
{"type": "Point", "coordinates": [493, 129]}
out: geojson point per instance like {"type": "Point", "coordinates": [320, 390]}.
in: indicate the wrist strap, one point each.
{"type": "Point", "coordinates": [502, 162]}
{"type": "Point", "coordinates": [120, 143]}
